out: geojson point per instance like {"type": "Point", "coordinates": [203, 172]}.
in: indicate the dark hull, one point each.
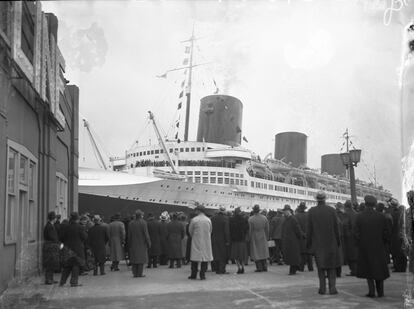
{"type": "Point", "coordinates": [108, 206]}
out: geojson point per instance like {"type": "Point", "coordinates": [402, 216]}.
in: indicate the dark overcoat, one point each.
{"type": "Point", "coordinates": [396, 237]}
{"type": "Point", "coordinates": [116, 238]}
{"type": "Point", "coordinates": [154, 230]}
{"type": "Point", "coordinates": [276, 225]}
{"type": "Point", "coordinates": [139, 241]}
{"type": "Point", "coordinates": [371, 233]}
{"type": "Point", "coordinates": [51, 247]}
{"type": "Point", "coordinates": [340, 216]}
{"type": "Point", "coordinates": [348, 224]}
{"type": "Point", "coordinates": [323, 236]}
{"type": "Point", "coordinates": [74, 236]}
{"type": "Point", "coordinates": [291, 237]}
{"type": "Point", "coordinates": [98, 237]}
{"type": "Point", "coordinates": [302, 218]}
{"type": "Point", "coordinates": [258, 236]}
{"type": "Point", "coordinates": [163, 238]}
{"type": "Point", "coordinates": [220, 237]}
{"type": "Point", "coordinates": [176, 232]}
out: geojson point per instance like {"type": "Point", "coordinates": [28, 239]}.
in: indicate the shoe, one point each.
{"type": "Point", "coordinates": [192, 278]}
{"type": "Point", "coordinates": [54, 281]}
{"type": "Point", "coordinates": [258, 271]}
{"type": "Point", "coordinates": [61, 284]}
{"type": "Point", "coordinates": [370, 295]}
{"type": "Point", "coordinates": [321, 292]}
{"type": "Point", "coordinates": [142, 276]}
{"type": "Point", "coordinates": [49, 283]}
{"type": "Point", "coordinates": [75, 285]}
{"type": "Point", "coordinates": [334, 292]}
{"type": "Point", "coordinates": [149, 266]}
{"type": "Point", "coordinates": [102, 274]}
{"type": "Point", "coordinates": [202, 278]}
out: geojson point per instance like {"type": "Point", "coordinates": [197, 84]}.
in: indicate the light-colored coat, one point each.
{"type": "Point", "coordinates": [116, 238]}
{"type": "Point", "coordinates": [200, 230]}
{"type": "Point", "coordinates": [258, 236]}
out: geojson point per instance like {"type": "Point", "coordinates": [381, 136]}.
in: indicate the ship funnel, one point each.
{"type": "Point", "coordinates": [291, 147]}
{"type": "Point", "coordinates": [332, 164]}
{"type": "Point", "coordinates": [220, 120]}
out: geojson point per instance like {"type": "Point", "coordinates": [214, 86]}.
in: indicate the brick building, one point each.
{"type": "Point", "coordinates": [38, 136]}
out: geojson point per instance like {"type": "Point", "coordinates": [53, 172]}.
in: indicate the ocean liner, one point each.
{"type": "Point", "coordinates": [216, 170]}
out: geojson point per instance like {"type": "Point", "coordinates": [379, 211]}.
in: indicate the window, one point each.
{"type": "Point", "coordinates": [192, 149]}
{"type": "Point", "coordinates": [21, 196]}
{"type": "Point", "coordinates": [190, 173]}
{"type": "Point", "coordinates": [197, 179]}
{"type": "Point", "coordinates": [226, 181]}
{"type": "Point", "coordinates": [187, 149]}
{"type": "Point", "coordinates": [152, 152]}
{"type": "Point", "coordinates": [213, 173]}
{"type": "Point", "coordinates": [205, 173]}
{"type": "Point", "coordinates": [28, 28]}
{"type": "Point", "coordinates": [171, 150]}
{"type": "Point", "coordinates": [198, 149]}
{"type": "Point", "coordinates": [157, 151]}
{"type": "Point", "coordinates": [212, 179]}
{"type": "Point", "coordinates": [220, 180]}
{"type": "Point", "coordinates": [61, 195]}
{"type": "Point", "coordinates": [181, 149]}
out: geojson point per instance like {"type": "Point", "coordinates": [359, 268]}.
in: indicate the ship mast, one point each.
{"type": "Point", "coordinates": [188, 90]}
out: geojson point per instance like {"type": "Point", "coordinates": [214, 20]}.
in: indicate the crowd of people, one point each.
{"type": "Point", "coordinates": [366, 237]}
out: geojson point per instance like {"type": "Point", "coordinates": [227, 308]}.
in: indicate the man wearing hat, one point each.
{"type": "Point", "coordinates": [98, 237]}
{"type": "Point", "coordinates": [164, 219]}
{"type": "Point", "coordinates": [73, 237]}
{"type": "Point", "coordinates": [323, 239]}
{"type": "Point", "coordinates": [371, 230]}
{"type": "Point", "coordinates": [220, 240]}
{"type": "Point", "coordinates": [398, 256]}
{"type": "Point", "coordinates": [154, 231]}
{"type": "Point", "coordinates": [259, 235]}
{"type": "Point", "coordinates": [139, 241]}
{"type": "Point", "coordinates": [275, 226]}
{"type": "Point", "coordinates": [350, 248]}
{"type": "Point", "coordinates": [200, 230]}
{"type": "Point", "coordinates": [291, 237]}
{"type": "Point", "coordinates": [116, 240]}
{"type": "Point", "coordinates": [306, 256]}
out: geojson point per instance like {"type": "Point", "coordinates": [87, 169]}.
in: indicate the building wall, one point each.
{"type": "Point", "coordinates": [39, 124]}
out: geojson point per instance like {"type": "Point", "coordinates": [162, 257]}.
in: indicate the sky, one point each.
{"type": "Point", "coordinates": [317, 67]}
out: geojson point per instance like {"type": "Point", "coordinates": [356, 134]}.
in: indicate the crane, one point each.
{"type": "Point", "coordinates": [161, 142]}
{"type": "Point", "coordinates": [94, 145]}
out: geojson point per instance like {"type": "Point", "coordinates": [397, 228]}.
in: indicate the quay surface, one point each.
{"type": "Point", "coordinates": [169, 288]}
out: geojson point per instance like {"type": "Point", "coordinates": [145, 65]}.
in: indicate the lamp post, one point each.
{"type": "Point", "coordinates": [350, 159]}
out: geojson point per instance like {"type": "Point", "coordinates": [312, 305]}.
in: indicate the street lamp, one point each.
{"type": "Point", "coordinates": [351, 159]}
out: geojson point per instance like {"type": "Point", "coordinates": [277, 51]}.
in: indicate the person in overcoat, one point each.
{"type": "Point", "coordinates": [154, 230]}
{"type": "Point", "coordinates": [139, 241]}
{"type": "Point", "coordinates": [51, 248]}
{"type": "Point", "coordinates": [116, 240]}
{"type": "Point", "coordinates": [371, 233]}
{"type": "Point", "coordinates": [176, 232]}
{"type": "Point", "coordinates": [324, 240]}
{"type": "Point", "coordinates": [200, 229]}
{"type": "Point", "coordinates": [306, 256]}
{"type": "Point", "coordinates": [339, 207]}
{"type": "Point", "coordinates": [258, 236]}
{"type": "Point", "coordinates": [73, 237]}
{"type": "Point", "coordinates": [183, 220]}
{"type": "Point", "coordinates": [399, 258]}
{"type": "Point", "coordinates": [220, 240]}
{"type": "Point", "coordinates": [98, 237]}
{"type": "Point", "coordinates": [381, 209]}
{"type": "Point", "coordinates": [276, 225]}
{"type": "Point", "coordinates": [291, 238]}
{"type": "Point", "coordinates": [349, 244]}
{"type": "Point", "coordinates": [239, 227]}
{"type": "Point", "coordinates": [164, 219]}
